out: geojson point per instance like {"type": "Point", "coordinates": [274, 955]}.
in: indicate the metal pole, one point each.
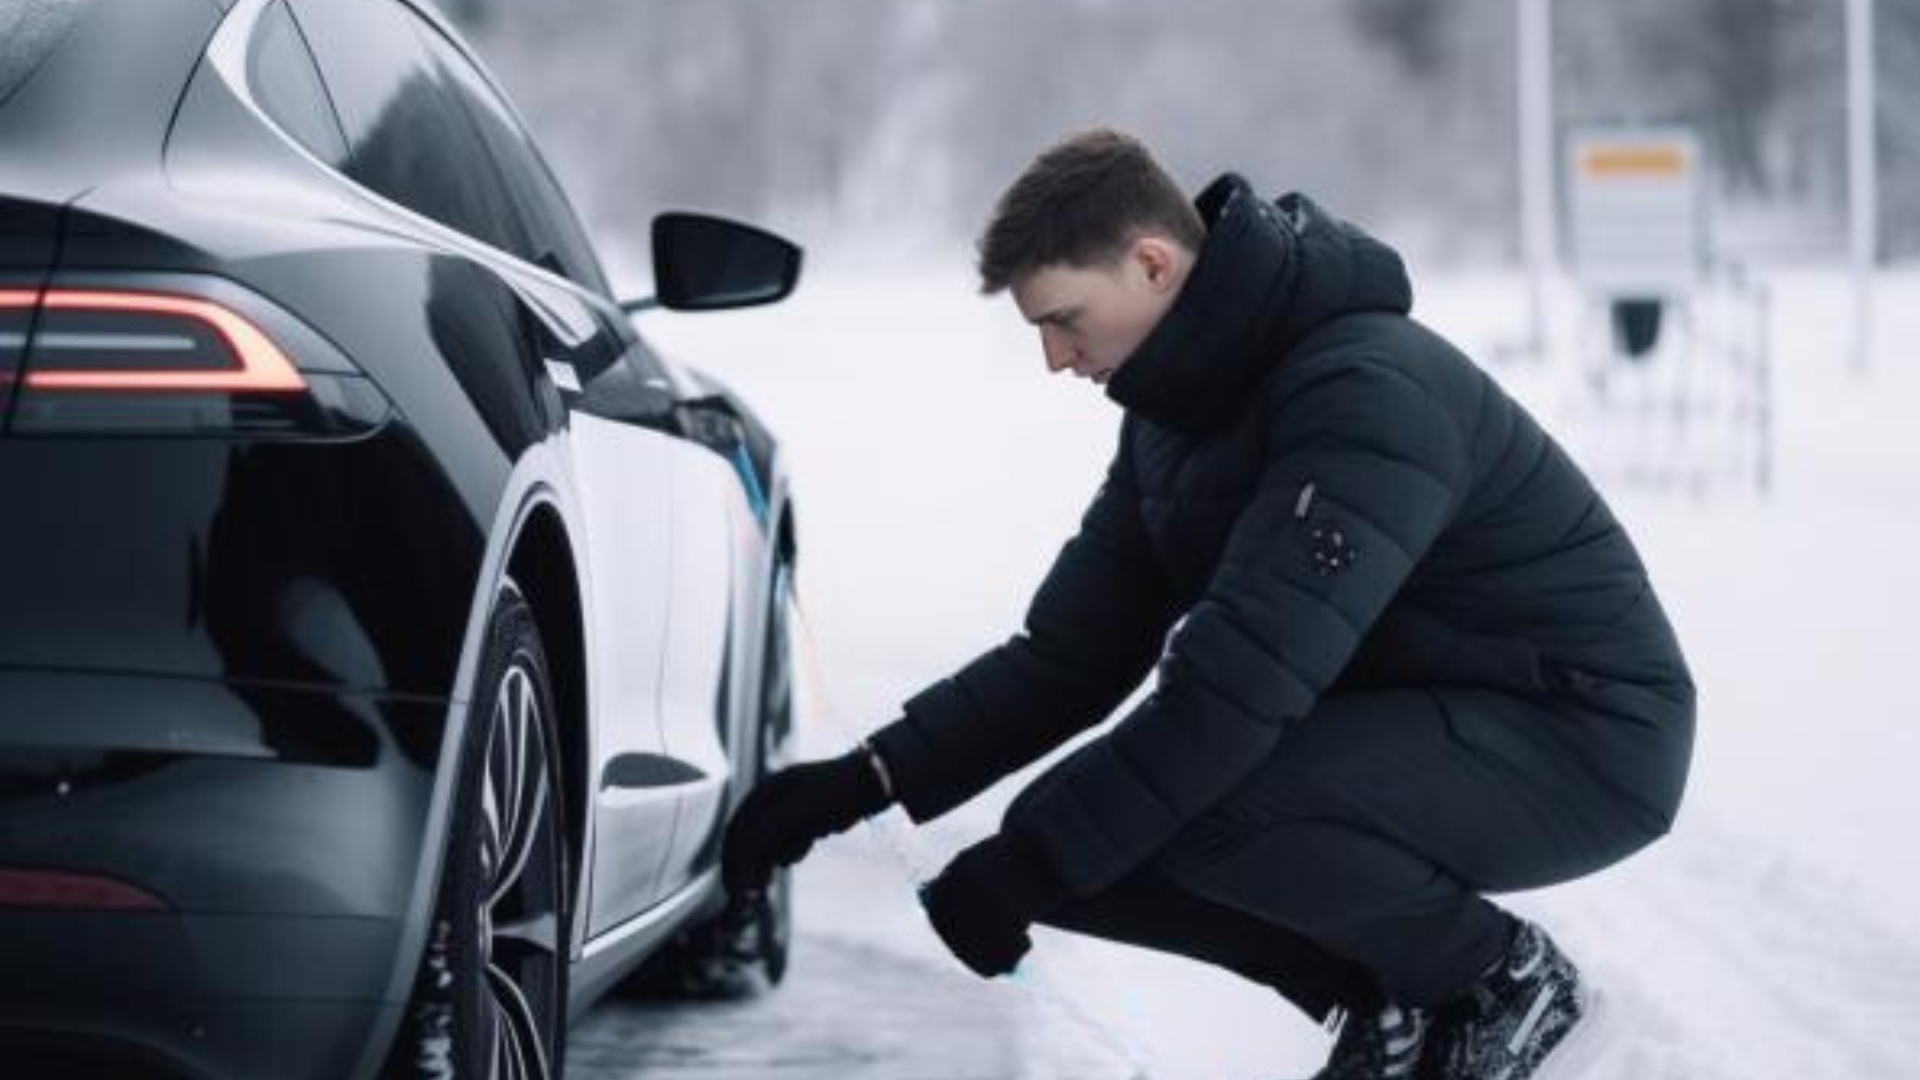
{"type": "Point", "coordinates": [1534, 34]}
{"type": "Point", "coordinates": [1763, 373]}
{"type": "Point", "coordinates": [1862, 187]}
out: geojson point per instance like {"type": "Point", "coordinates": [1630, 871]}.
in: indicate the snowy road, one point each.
{"type": "Point", "coordinates": [850, 1011]}
{"type": "Point", "coordinates": [868, 996]}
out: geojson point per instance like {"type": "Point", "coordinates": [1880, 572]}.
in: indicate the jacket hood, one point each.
{"type": "Point", "coordinates": [1268, 274]}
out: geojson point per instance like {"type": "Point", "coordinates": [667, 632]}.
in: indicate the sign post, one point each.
{"type": "Point", "coordinates": [1863, 195]}
{"type": "Point", "coordinates": [1535, 37]}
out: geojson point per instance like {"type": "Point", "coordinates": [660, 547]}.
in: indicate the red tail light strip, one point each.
{"type": "Point", "coordinates": [263, 367]}
{"type": "Point", "coordinates": [55, 889]}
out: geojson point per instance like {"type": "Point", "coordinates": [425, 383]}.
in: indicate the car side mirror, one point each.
{"type": "Point", "coordinates": [703, 263]}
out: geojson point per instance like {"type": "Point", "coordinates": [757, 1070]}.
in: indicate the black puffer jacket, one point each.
{"type": "Point", "coordinates": [1334, 498]}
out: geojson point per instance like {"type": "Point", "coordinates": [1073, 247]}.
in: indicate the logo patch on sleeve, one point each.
{"type": "Point", "coordinates": [1331, 550]}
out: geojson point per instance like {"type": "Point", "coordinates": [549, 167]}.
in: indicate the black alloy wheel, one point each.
{"type": "Point", "coordinates": [490, 999]}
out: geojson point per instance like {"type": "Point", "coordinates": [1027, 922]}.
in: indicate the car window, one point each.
{"type": "Point", "coordinates": [554, 234]}
{"type": "Point", "coordinates": [409, 138]}
{"type": "Point", "coordinates": [287, 87]}
{"type": "Point", "coordinates": [628, 389]}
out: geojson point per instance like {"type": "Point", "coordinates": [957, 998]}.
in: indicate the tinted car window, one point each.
{"type": "Point", "coordinates": [408, 136]}
{"type": "Point", "coordinates": [555, 239]}
{"type": "Point", "coordinates": [288, 88]}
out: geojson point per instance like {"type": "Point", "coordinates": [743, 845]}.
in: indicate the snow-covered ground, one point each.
{"type": "Point", "coordinates": [1775, 933]}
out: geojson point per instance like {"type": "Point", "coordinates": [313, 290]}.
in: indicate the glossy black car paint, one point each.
{"type": "Point", "coordinates": [233, 669]}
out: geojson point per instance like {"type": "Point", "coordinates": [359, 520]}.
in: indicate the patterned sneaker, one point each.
{"type": "Point", "coordinates": [1384, 1045]}
{"type": "Point", "coordinates": [1514, 1017]}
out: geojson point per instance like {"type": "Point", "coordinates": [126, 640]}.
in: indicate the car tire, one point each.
{"type": "Point", "coordinates": [490, 999]}
{"type": "Point", "coordinates": [743, 950]}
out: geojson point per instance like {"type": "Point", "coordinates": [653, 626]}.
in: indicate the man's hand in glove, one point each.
{"type": "Point", "coordinates": [983, 902]}
{"type": "Point", "coordinates": [786, 812]}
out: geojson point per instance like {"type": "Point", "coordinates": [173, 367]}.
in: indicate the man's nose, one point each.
{"type": "Point", "coordinates": [1059, 353]}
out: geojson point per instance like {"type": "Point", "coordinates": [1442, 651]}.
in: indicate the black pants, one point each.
{"type": "Point", "coordinates": [1351, 863]}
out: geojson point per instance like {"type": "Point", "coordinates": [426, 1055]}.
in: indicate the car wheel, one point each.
{"type": "Point", "coordinates": [490, 998]}
{"type": "Point", "coordinates": [741, 951]}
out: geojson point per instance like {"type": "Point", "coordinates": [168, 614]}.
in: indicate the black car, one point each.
{"type": "Point", "coordinates": [386, 630]}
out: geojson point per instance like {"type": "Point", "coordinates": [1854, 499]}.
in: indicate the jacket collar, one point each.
{"type": "Point", "coordinates": [1197, 365]}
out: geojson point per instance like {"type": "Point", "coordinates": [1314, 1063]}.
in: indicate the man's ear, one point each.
{"type": "Point", "coordinates": [1159, 260]}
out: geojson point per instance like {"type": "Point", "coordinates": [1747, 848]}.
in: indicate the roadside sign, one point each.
{"type": "Point", "coordinates": [1635, 201]}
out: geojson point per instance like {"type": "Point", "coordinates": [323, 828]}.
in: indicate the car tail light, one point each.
{"type": "Point", "coordinates": [140, 341]}
{"type": "Point", "coordinates": [113, 361]}
{"type": "Point", "coordinates": [64, 890]}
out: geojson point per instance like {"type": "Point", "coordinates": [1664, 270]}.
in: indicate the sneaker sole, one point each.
{"type": "Point", "coordinates": [1574, 1057]}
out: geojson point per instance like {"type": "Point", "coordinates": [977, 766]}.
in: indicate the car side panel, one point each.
{"type": "Point", "coordinates": [711, 676]}
{"type": "Point", "coordinates": [622, 476]}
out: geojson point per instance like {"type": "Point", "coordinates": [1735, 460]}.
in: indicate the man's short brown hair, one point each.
{"type": "Point", "coordinates": [1080, 203]}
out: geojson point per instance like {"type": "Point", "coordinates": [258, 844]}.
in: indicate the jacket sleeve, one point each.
{"type": "Point", "coordinates": [1362, 470]}
{"type": "Point", "coordinates": [1092, 632]}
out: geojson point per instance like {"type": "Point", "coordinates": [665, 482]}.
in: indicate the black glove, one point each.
{"type": "Point", "coordinates": [786, 812]}
{"type": "Point", "coordinates": [983, 902]}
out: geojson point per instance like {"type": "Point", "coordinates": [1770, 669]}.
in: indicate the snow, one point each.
{"type": "Point", "coordinates": [1774, 933]}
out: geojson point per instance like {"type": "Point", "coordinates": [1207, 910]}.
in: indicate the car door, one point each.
{"type": "Point", "coordinates": [622, 449]}
{"type": "Point", "coordinates": [708, 679]}
{"type": "Point", "coordinates": [713, 536]}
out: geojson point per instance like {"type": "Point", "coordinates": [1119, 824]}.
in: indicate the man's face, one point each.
{"type": "Point", "coordinates": [1092, 318]}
